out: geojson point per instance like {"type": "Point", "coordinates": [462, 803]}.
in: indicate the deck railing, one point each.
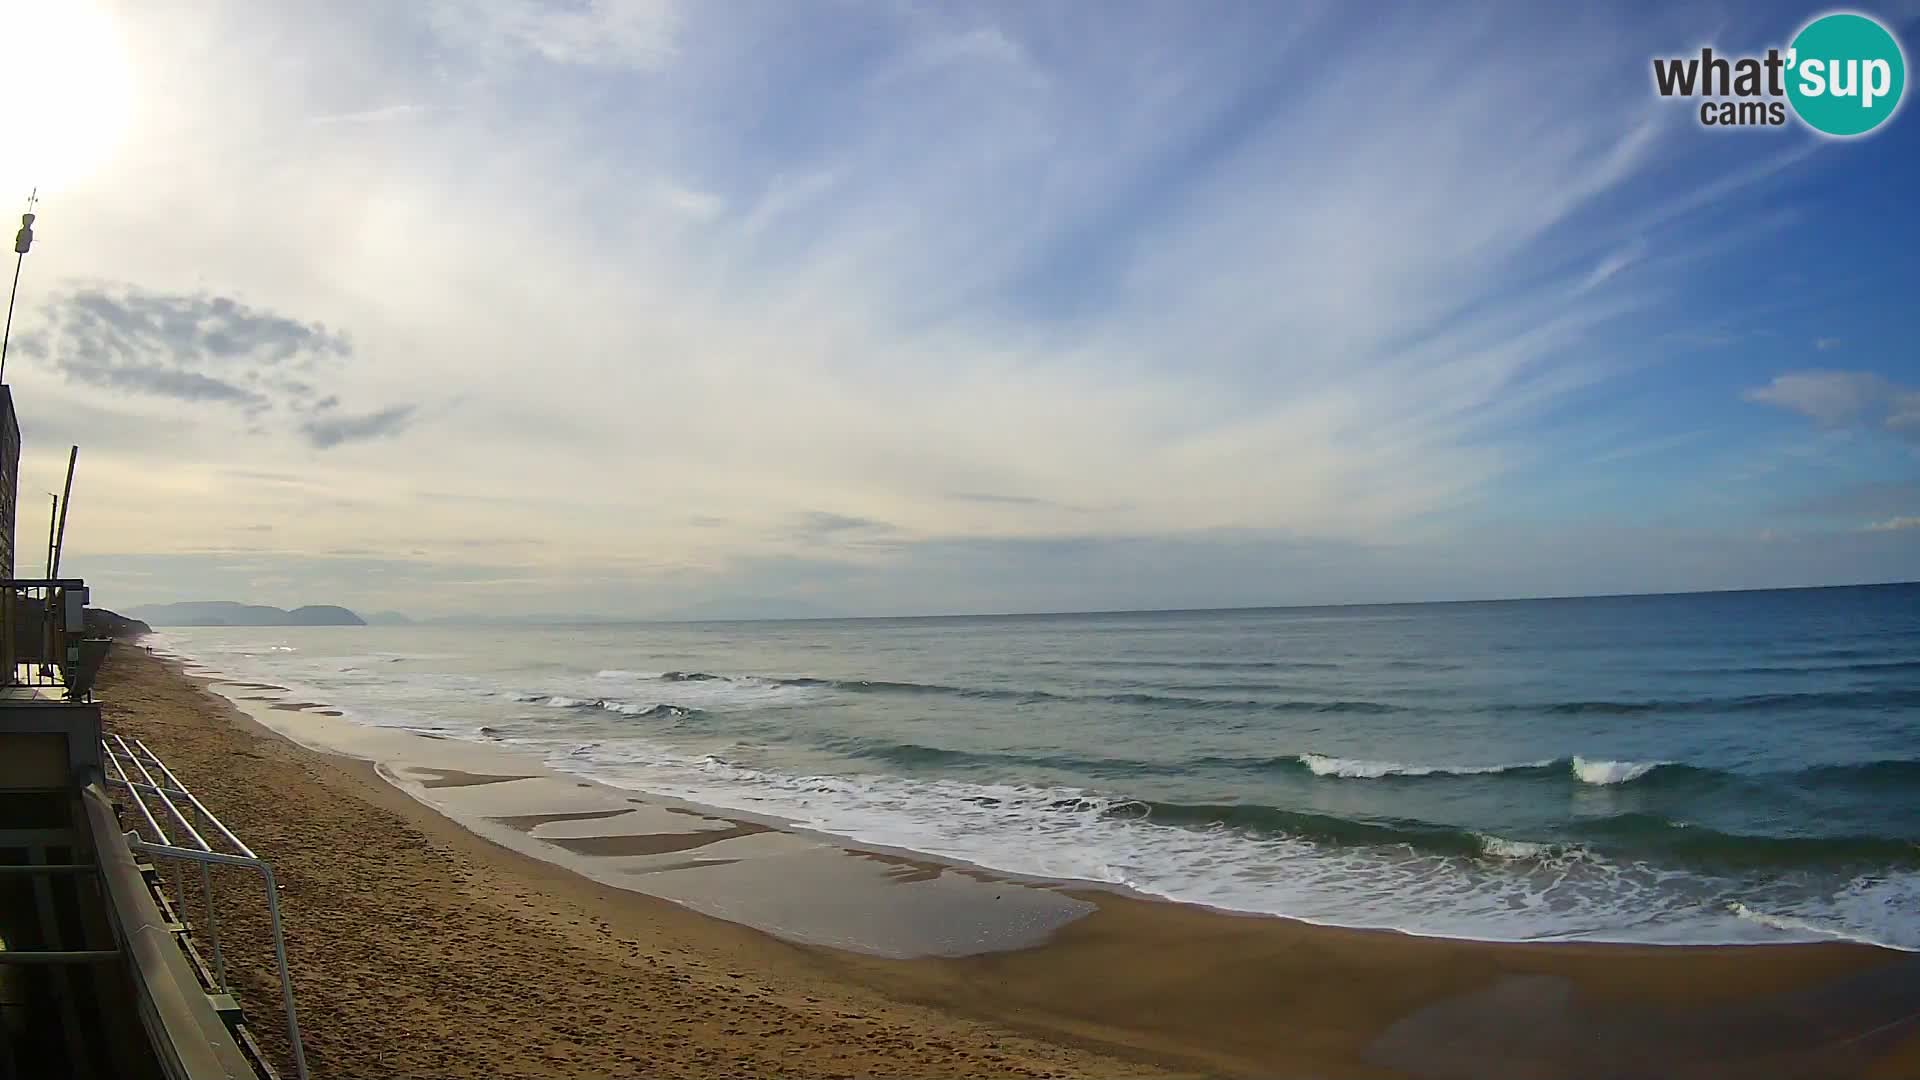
{"type": "Point", "coordinates": [43, 636]}
{"type": "Point", "coordinates": [172, 823]}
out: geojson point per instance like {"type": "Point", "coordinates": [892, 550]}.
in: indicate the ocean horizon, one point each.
{"type": "Point", "coordinates": [567, 620]}
{"type": "Point", "coordinates": [1695, 768]}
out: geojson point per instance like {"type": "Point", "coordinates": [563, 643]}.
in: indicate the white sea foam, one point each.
{"type": "Point", "coordinates": [1612, 772]}
{"type": "Point", "coordinates": [1526, 891]}
{"type": "Point", "coordinates": [1063, 832]}
{"type": "Point", "coordinates": [1501, 847]}
{"type": "Point", "coordinates": [1511, 890]}
{"type": "Point", "coordinates": [1799, 927]}
{"type": "Point", "coordinates": [1781, 922]}
{"type": "Point", "coordinates": [1873, 909]}
{"type": "Point", "coordinates": [644, 691]}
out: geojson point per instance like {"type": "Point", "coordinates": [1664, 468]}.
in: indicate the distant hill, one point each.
{"type": "Point", "coordinates": [108, 624]}
{"type": "Point", "coordinates": [228, 613]}
{"type": "Point", "coordinates": [388, 618]}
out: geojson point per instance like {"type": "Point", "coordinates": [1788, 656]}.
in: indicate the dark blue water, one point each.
{"type": "Point", "coordinates": [1737, 766]}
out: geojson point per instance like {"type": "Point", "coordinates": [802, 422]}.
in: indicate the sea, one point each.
{"type": "Point", "coordinates": [1685, 769]}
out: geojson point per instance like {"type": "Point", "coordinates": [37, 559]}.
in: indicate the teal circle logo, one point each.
{"type": "Point", "coordinates": [1845, 74]}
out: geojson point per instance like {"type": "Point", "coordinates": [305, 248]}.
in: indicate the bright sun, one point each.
{"type": "Point", "coordinates": [66, 94]}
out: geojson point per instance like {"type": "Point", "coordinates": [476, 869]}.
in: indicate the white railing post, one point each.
{"type": "Point", "coordinates": [118, 753]}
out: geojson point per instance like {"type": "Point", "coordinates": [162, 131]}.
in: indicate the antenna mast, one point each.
{"type": "Point", "coordinates": [66, 500]}
{"type": "Point", "coordinates": [51, 515]}
{"type": "Point", "coordinates": [22, 241]}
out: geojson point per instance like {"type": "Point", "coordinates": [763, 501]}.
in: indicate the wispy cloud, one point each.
{"type": "Point", "coordinates": [376, 115]}
{"type": "Point", "coordinates": [821, 522]}
{"type": "Point", "coordinates": [330, 428]}
{"type": "Point", "coordinates": [1646, 447]}
{"type": "Point", "coordinates": [591, 33]}
{"type": "Point", "coordinates": [204, 349]}
{"type": "Point", "coordinates": [1896, 524]}
{"type": "Point", "coordinates": [999, 499]}
{"type": "Point", "coordinates": [165, 382]}
{"type": "Point", "coordinates": [120, 322]}
{"type": "Point", "coordinates": [1839, 399]}
{"type": "Point", "coordinates": [1859, 500]}
{"type": "Point", "coordinates": [1614, 263]}
{"type": "Point", "coordinates": [998, 276]}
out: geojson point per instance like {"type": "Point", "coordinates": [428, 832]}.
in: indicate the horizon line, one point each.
{"type": "Point", "coordinates": [550, 619]}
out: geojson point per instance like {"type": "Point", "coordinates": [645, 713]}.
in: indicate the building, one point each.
{"type": "Point", "coordinates": [101, 974]}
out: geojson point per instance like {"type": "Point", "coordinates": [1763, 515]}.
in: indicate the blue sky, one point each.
{"type": "Point", "coordinates": [880, 308]}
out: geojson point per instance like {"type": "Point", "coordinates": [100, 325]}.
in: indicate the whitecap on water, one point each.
{"type": "Point", "coordinates": [1612, 772]}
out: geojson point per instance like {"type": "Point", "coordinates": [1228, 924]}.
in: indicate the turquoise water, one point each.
{"type": "Point", "coordinates": [1706, 768]}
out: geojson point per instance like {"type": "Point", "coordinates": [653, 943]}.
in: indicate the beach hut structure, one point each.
{"type": "Point", "coordinates": [102, 971]}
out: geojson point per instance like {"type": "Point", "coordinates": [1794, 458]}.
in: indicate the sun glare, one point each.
{"type": "Point", "coordinates": [65, 93]}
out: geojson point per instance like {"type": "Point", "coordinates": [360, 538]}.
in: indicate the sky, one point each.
{"type": "Point", "coordinates": [778, 309]}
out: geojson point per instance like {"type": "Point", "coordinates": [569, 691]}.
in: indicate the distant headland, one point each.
{"type": "Point", "coordinates": [229, 613]}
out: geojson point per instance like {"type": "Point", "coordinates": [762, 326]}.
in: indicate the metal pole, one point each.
{"type": "Point", "coordinates": [165, 800]}
{"type": "Point", "coordinates": [62, 986]}
{"type": "Point", "coordinates": [66, 500]}
{"type": "Point", "coordinates": [181, 789]}
{"type": "Point", "coordinates": [140, 804]}
{"type": "Point", "coordinates": [286, 980]}
{"type": "Point", "coordinates": [46, 605]}
{"type": "Point", "coordinates": [213, 928]}
{"type": "Point", "coordinates": [273, 913]}
{"type": "Point", "coordinates": [206, 875]}
{"type": "Point", "coordinates": [59, 956]}
{"type": "Point", "coordinates": [7, 337]}
{"type": "Point", "coordinates": [22, 241]}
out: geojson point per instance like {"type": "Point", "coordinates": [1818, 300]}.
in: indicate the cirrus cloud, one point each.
{"type": "Point", "coordinates": [715, 293]}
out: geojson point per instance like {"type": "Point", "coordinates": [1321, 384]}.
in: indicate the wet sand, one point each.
{"type": "Point", "coordinates": [425, 948]}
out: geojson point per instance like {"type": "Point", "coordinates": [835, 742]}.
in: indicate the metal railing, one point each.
{"type": "Point", "coordinates": [43, 640]}
{"type": "Point", "coordinates": [153, 790]}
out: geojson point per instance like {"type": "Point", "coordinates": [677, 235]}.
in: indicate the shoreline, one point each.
{"type": "Point", "coordinates": [761, 871]}
{"type": "Point", "coordinates": [1143, 980]}
{"type": "Point", "coordinates": [1636, 844]}
{"type": "Point", "coordinates": [492, 765]}
{"type": "Point", "coordinates": [381, 743]}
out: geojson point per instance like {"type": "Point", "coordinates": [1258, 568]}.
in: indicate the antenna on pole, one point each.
{"type": "Point", "coordinates": [60, 541]}
{"type": "Point", "coordinates": [51, 515]}
{"type": "Point", "coordinates": [22, 241]}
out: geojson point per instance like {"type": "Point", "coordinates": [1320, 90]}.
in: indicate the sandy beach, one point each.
{"type": "Point", "coordinates": [422, 947]}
